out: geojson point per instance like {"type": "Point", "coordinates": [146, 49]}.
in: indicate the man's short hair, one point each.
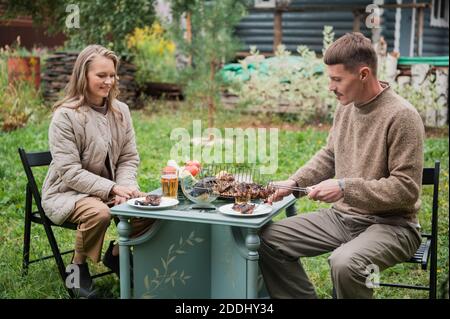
{"type": "Point", "coordinates": [352, 50]}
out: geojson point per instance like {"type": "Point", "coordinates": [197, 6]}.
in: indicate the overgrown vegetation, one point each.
{"type": "Point", "coordinates": [424, 99]}
{"type": "Point", "coordinates": [153, 53]}
{"type": "Point", "coordinates": [20, 102]}
{"type": "Point", "coordinates": [298, 83]}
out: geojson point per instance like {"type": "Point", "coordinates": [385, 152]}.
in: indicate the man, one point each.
{"type": "Point", "coordinates": [374, 152]}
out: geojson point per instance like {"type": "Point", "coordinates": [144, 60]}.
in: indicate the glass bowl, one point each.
{"type": "Point", "coordinates": [198, 189]}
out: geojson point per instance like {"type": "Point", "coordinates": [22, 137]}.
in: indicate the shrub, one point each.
{"type": "Point", "coordinates": [298, 83]}
{"type": "Point", "coordinates": [20, 102]}
{"type": "Point", "coordinates": [153, 53]}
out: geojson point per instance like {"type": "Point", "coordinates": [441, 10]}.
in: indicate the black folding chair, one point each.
{"type": "Point", "coordinates": [427, 252]}
{"type": "Point", "coordinates": [30, 160]}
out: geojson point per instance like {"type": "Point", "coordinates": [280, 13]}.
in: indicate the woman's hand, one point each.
{"type": "Point", "coordinates": [119, 200]}
{"type": "Point", "coordinates": [280, 193]}
{"type": "Point", "coordinates": [135, 194]}
{"type": "Point", "coordinates": [125, 191]}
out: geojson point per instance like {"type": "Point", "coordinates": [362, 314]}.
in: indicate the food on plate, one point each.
{"type": "Point", "coordinates": [154, 200]}
{"type": "Point", "coordinates": [246, 208]}
{"type": "Point", "coordinates": [149, 200]}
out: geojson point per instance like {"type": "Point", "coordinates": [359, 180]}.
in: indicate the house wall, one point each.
{"type": "Point", "coordinates": [388, 25]}
{"type": "Point", "coordinates": [435, 40]}
{"type": "Point", "coordinates": [299, 28]}
{"type": "Point", "coordinates": [305, 28]}
{"type": "Point", "coordinates": [30, 35]}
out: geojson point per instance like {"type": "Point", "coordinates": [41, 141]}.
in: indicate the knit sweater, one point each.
{"type": "Point", "coordinates": [377, 149]}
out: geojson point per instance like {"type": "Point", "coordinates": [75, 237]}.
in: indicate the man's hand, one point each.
{"type": "Point", "coordinates": [280, 193]}
{"type": "Point", "coordinates": [327, 191]}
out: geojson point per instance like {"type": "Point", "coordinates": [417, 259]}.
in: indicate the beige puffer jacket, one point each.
{"type": "Point", "coordinates": [79, 142]}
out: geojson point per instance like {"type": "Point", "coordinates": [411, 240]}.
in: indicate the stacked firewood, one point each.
{"type": "Point", "coordinates": [57, 74]}
{"type": "Point", "coordinates": [59, 68]}
{"type": "Point", "coordinates": [127, 84]}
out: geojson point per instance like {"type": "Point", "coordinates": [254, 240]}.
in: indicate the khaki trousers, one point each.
{"type": "Point", "coordinates": [93, 218]}
{"type": "Point", "coordinates": [358, 244]}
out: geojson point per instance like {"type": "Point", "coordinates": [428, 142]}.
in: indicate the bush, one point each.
{"type": "Point", "coordinates": [298, 83]}
{"type": "Point", "coordinates": [20, 102]}
{"type": "Point", "coordinates": [153, 53]}
{"type": "Point", "coordinates": [106, 24]}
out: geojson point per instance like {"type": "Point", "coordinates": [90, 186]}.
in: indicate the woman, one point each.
{"type": "Point", "coordinates": [95, 160]}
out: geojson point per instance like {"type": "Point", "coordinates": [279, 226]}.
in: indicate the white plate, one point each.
{"type": "Point", "coordinates": [166, 202]}
{"type": "Point", "coordinates": [260, 209]}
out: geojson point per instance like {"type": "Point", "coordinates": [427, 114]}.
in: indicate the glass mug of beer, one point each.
{"type": "Point", "coordinates": [169, 182]}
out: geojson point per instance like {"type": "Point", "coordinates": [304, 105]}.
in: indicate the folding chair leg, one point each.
{"type": "Point", "coordinates": [57, 255]}
{"type": "Point", "coordinates": [27, 234]}
{"type": "Point", "coordinates": [26, 248]}
{"type": "Point", "coordinates": [433, 281]}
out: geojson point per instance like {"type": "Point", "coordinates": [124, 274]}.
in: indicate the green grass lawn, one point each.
{"type": "Point", "coordinates": [153, 126]}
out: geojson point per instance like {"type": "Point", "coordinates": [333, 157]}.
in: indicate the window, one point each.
{"type": "Point", "coordinates": [439, 13]}
{"type": "Point", "coordinates": [265, 3]}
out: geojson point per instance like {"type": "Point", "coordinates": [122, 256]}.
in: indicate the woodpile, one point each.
{"type": "Point", "coordinates": [59, 68]}
{"type": "Point", "coordinates": [127, 84]}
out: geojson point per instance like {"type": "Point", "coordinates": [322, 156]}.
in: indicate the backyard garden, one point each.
{"type": "Point", "coordinates": [179, 68]}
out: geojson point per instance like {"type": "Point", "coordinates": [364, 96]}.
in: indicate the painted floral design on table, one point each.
{"type": "Point", "coordinates": [165, 275]}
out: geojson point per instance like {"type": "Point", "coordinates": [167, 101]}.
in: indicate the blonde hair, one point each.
{"type": "Point", "coordinates": [77, 88]}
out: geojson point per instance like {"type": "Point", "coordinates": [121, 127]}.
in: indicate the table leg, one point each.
{"type": "Point", "coordinates": [252, 243]}
{"type": "Point", "coordinates": [124, 229]}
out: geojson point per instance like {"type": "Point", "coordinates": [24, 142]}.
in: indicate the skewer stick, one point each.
{"type": "Point", "coordinates": [293, 188]}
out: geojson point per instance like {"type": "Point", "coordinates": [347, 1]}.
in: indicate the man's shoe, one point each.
{"type": "Point", "coordinates": [111, 261]}
{"type": "Point", "coordinates": [86, 286]}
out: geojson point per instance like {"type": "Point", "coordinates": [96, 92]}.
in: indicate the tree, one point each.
{"type": "Point", "coordinates": [107, 23]}
{"type": "Point", "coordinates": [213, 43]}
{"type": "Point", "coordinates": [45, 13]}
{"type": "Point", "coordinates": [101, 21]}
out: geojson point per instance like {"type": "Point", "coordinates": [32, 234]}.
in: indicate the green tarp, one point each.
{"type": "Point", "coordinates": [433, 60]}
{"type": "Point", "coordinates": [235, 71]}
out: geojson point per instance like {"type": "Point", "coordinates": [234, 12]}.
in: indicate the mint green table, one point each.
{"type": "Point", "coordinates": [192, 254]}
